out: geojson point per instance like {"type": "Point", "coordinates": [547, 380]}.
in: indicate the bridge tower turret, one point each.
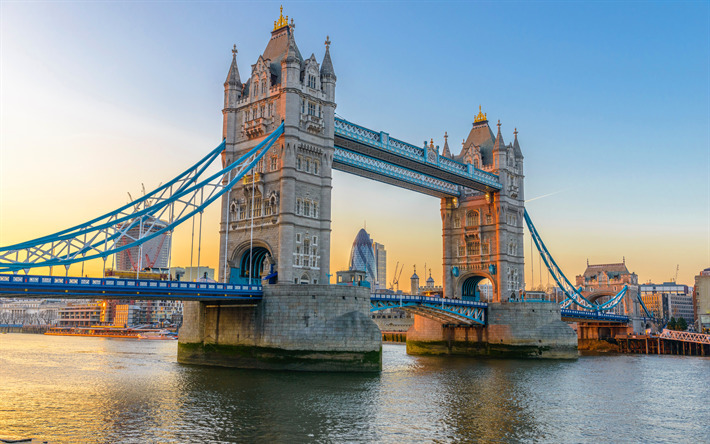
{"type": "Point", "coordinates": [278, 218]}
{"type": "Point", "coordinates": [483, 232]}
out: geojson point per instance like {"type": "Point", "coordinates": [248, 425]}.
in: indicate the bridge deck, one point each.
{"type": "Point", "coordinates": [111, 288]}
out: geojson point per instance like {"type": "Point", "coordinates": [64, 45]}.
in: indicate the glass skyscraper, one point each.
{"type": "Point", "coordinates": [362, 256]}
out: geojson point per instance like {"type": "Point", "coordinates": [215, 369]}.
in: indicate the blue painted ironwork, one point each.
{"type": "Point", "coordinates": [593, 315]}
{"type": "Point", "coordinates": [112, 288]}
{"type": "Point", "coordinates": [452, 310]}
{"type": "Point", "coordinates": [383, 141]}
{"type": "Point", "coordinates": [177, 201]}
{"type": "Point", "coordinates": [395, 172]}
{"type": "Point", "coordinates": [572, 295]}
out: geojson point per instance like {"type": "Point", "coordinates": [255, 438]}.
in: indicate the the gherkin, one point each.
{"type": "Point", "coordinates": [362, 256]}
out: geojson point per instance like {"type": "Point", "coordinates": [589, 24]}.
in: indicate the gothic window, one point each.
{"type": "Point", "coordinates": [315, 166]}
{"type": "Point", "coordinates": [489, 219]}
{"type": "Point", "coordinates": [233, 207]}
{"type": "Point", "coordinates": [476, 164]}
{"type": "Point", "coordinates": [259, 166]}
{"type": "Point", "coordinates": [263, 111]}
{"type": "Point", "coordinates": [474, 248]}
{"type": "Point", "coordinates": [462, 249]}
{"type": "Point", "coordinates": [472, 218]}
{"type": "Point", "coordinates": [299, 161]}
{"type": "Point", "coordinates": [298, 238]}
{"type": "Point", "coordinates": [311, 109]}
{"type": "Point", "coordinates": [484, 248]}
{"type": "Point", "coordinates": [299, 204]}
{"type": "Point", "coordinates": [318, 110]}
{"type": "Point", "coordinates": [457, 221]}
{"type": "Point", "coordinates": [315, 209]}
{"type": "Point", "coordinates": [273, 163]}
{"type": "Point", "coordinates": [303, 107]}
{"type": "Point", "coordinates": [315, 240]}
{"type": "Point", "coordinates": [308, 165]}
{"type": "Point", "coordinates": [311, 81]}
{"type": "Point", "coordinates": [256, 88]}
{"type": "Point", "coordinates": [263, 87]}
{"type": "Point", "coordinates": [257, 208]}
{"type": "Point", "coordinates": [271, 109]}
{"type": "Point", "coordinates": [306, 208]}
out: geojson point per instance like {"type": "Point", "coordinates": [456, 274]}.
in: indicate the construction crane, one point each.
{"type": "Point", "coordinates": [395, 278]}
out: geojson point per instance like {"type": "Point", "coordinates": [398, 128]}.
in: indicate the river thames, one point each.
{"type": "Point", "coordinates": [96, 390]}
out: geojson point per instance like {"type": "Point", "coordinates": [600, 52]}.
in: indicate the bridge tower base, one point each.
{"type": "Point", "coordinates": [294, 327]}
{"type": "Point", "coordinates": [514, 330]}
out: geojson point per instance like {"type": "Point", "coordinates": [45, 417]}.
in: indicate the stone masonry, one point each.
{"type": "Point", "coordinates": [294, 327]}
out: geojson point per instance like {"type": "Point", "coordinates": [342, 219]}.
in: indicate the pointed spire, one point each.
{"type": "Point", "coordinates": [326, 68]}
{"type": "Point", "coordinates": [499, 144]}
{"type": "Point", "coordinates": [447, 151]}
{"type": "Point", "coordinates": [282, 21]}
{"type": "Point", "coordinates": [516, 147]}
{"type": "Point", "coordinates": [233, 76]}
{"type": "Point", "coordinates": [292, 51]}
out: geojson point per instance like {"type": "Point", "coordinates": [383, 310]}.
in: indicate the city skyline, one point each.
{"type": "Point", "coordinates": [119, 109]}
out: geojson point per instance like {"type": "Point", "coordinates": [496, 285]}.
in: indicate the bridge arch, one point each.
{"type": "Point", "coordinates": [469, 285]}
{"type": "Point", "coordinates": [258, 259]}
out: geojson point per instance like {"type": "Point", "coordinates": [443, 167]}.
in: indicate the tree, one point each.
{"type": "Point", "coordinates": [681, 324]}
{"type": "Point", "coordinates": [671, 324]}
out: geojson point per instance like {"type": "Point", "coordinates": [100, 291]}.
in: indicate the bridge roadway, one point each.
{"type": "Point", "coordinates": [377, 156]}
{"type": "Point", "coordinates": [442, 309]}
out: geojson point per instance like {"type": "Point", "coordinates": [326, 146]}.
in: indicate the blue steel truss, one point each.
{"type": "Point", "coordinates": [156, 213]}
{"type": "Point", "coordinates": [592, 315]}
{"type": "Point", "coordinates": [422, 156]}
{"type": "Point", "coordinates": [442, 309]}
{"type": "Point", "coordinates": [396, 173]}
{"type": "Point", "coordinates": [112, 288]}
{"type": "Point", "coordinates": [572, 295]}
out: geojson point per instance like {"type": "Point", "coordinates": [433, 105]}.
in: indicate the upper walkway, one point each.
{"type": "Point", "coordinates": [378, 156]}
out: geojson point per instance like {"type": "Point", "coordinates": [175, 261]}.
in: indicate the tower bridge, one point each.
{"type": "Point", "coordinates": [281, 141]}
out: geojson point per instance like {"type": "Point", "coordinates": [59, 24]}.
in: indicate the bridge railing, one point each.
{"type": "Point", "coordinates": [118, 284]}
{"type": "Point", "coordinates": [426, 299]}
{"type": "Point", "coordinates": [383, 141]}
{"type": "Point", "coordinates": [699, 338]}
{"type": "Point", "coordinates": [585, 314]}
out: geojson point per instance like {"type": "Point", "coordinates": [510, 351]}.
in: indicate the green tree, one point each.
{"type": "Point", "coordinates": [671, 324]}
{"type": "Point", "coordinates": [681, 324]}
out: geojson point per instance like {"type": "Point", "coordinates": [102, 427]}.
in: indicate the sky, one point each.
{"type": "Point", "coordinates": [611, 101]}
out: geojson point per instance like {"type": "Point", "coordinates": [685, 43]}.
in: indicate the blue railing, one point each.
{"type": "Point", "coordinates": [382, 141]}
{"type": "Point", "coordinates": [457, 310]}
{"type": "Point", "coordinates": [112, 287]}
{"type": "Point", "coordinates": [585, 314]}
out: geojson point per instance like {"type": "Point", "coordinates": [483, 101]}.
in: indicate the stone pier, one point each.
{"type": "Point", "coordinates": [294, 327]}
{"type": "Point", "coordinates": [516, 330]}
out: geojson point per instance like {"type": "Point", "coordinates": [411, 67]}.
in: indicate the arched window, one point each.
{"type": "Point", "coordinates": [476, 163]}
{"type": "Point", "coordinates": [263, 87]}
{"type": "Point", "coordinates": [256, 88]}
{"type": "Point", "coordinates": [472, 218]}
{"type": "Point", "coordinates": [457, 221]}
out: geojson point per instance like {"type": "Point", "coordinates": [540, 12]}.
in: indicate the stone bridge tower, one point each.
{"type": "Point", "coordinates": [483, 232]}
{"type": "Point", "coordinates": [278, 218]}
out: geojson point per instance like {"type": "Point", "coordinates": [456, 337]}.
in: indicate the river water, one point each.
{"type": "Point", "coordinates": [97, 390]}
